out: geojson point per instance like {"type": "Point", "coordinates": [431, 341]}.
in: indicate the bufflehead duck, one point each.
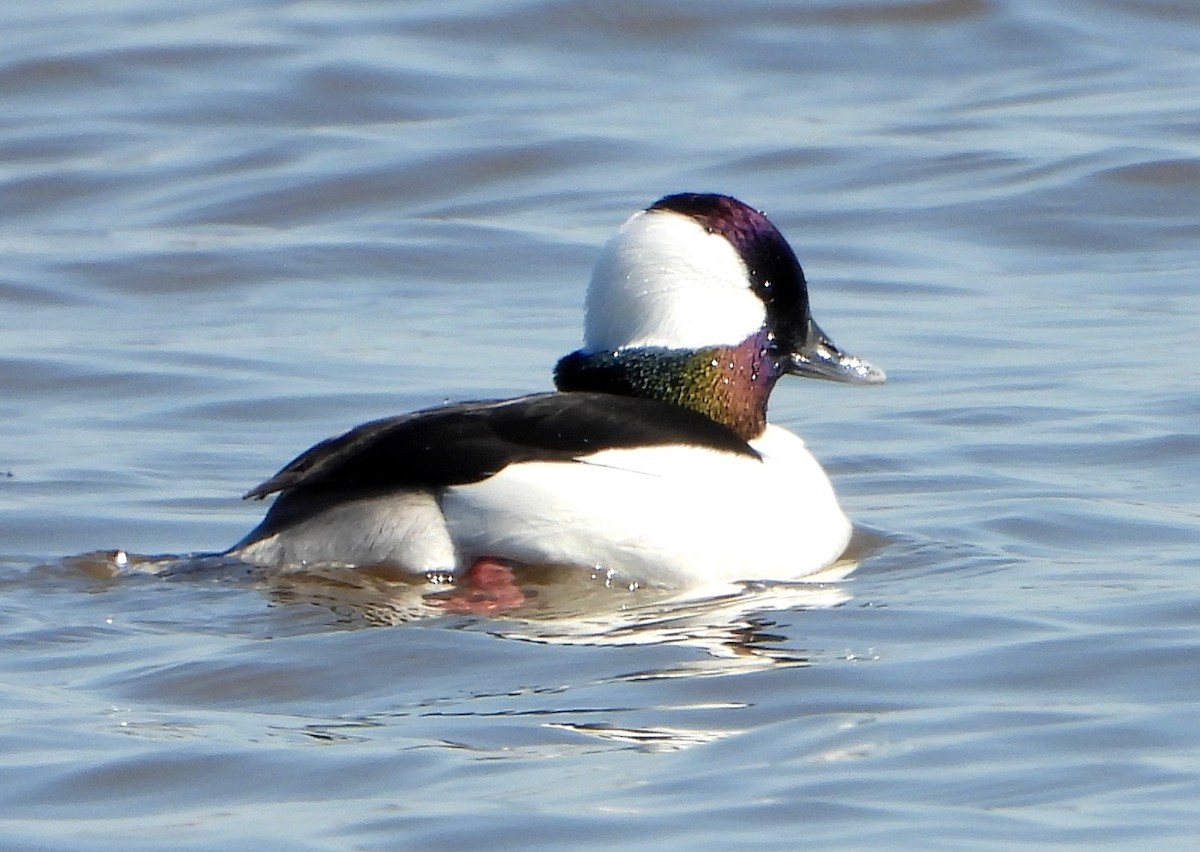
{"type": "Point", "coordinates": [653, 460]}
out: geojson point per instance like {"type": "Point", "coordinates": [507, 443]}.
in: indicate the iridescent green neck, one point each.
{"type": "Point", "coordinates": [729, 384]}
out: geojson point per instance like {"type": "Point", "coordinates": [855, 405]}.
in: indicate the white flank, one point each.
{"type": "Point", "coordinates": [671, 516]}
{"type": "Point", "coordinates": [404, 528]}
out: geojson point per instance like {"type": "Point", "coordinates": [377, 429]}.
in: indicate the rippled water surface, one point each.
{"type": "Point", "coordinates": [232, 229]}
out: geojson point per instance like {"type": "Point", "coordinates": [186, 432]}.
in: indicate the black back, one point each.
{"type": "Point", "coordinates": [468, 442]}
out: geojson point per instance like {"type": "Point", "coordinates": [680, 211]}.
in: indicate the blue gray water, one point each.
{"type": "Point", "coordinates": [229, 230]}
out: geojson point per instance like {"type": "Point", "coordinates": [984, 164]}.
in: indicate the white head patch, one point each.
{"type": "Point", "coordinates": [664, 280]}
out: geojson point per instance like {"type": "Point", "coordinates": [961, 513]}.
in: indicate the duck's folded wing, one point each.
{"type": "Point", "coordinates": [468, 442]}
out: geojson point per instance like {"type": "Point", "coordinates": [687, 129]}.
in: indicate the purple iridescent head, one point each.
{"type": "Point", "coordinates": [694, 271]}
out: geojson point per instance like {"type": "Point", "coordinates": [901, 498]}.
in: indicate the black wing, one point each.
{"type": "Point", "coordinates": [468, 442]}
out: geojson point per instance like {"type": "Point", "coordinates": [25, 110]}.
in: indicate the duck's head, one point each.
{"type": "Point", "coordinates": [701, 301]}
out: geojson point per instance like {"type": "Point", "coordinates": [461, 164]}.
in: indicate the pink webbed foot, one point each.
{"type": "Point", "coordinates": [488, 587]}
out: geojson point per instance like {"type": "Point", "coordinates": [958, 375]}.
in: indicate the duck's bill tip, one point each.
{"type": "Point", "coordinates": [820, 358]}
{"type": "Point", "coordinates": [849, 369]}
